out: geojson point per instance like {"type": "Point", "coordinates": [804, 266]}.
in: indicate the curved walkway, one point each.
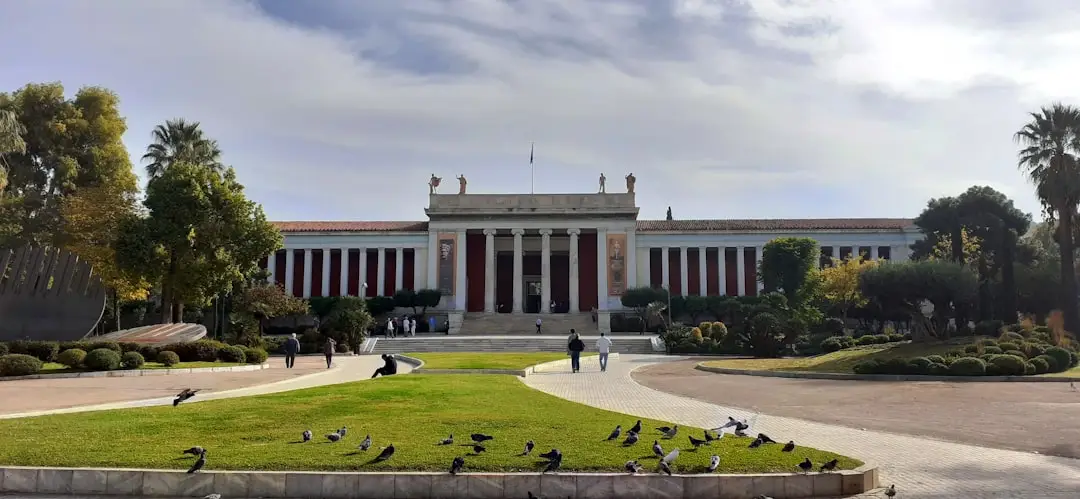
{"type": "Point", "coordinates": [920, 467]}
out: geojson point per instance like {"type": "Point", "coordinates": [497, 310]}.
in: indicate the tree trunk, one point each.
{"type": "Point", "coordinates": [986, 307]}
{"type": "Point", "coordinates": [1068, 274]}
{"type": "Point", "coordinates": [957, 241]}
{"type": "Point", "coordinates": [178, 312]}
{"type": "Point", "coordinates": [116, 307]}
{"type": "Point", "coordinates": [166, 304]}
{"type": "Point", "coordinates": [1008, 278]}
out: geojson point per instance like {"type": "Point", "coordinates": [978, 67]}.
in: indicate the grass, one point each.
{"type": "Point", "coordinates": [485, 360]}
{"type": "Point", "coordinates": [842, 361]}
{"type": "Point", "coordinates": [1071, 373]}
{"type": "Point", "coordinates": [413, 412]}
{"type": "Point", "coordinates": [53, 367]}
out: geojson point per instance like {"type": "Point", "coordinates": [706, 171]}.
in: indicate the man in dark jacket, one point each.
{"type": "Point", "coordinates": [292, 347]}
{"type": "Point", "coordinates": [390, 366]}
{"type": "Point", "coordinates": [328, 350]}
{"type": "Point", "coordinates": [575, 346]}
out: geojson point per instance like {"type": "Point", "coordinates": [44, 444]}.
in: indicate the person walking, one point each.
{"type": "Point", "coordinates": [292, 347]}
{"type": "Point", "coordinates": [603, 345]}
{"type": "Point", "coordinates": [390, 327]}
{"type": "Point", "coordinates": [412, 326]}
{"type": "Point", "coordinates": [328, 351]}
{"type": "Point", "coordinates": [575, 346]}
{"type": "Point", "coordinates": [539, 322]}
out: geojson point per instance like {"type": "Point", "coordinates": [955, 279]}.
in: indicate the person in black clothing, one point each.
{"type": "Point", "coordinates": [576, 346]}
{"type": "Point", "coordinates": [390, 366]}
{"type": "Point", "coordinates": [292, 347]}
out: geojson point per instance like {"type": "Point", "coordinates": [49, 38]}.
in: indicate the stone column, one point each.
{"type": "Point", "coordinates": [575, 300]}
{"type": "Point", "coordinates": [518, 269]}
{"type": "Point", "coordinates": [601, 271]}
{"type": "Point", "coordinates": [460, 276]}
{"type": "Point", "coordinates": [836, 252]}
{"type": "Point", "coordinates": [433, 260]}
{"type": "Point", "coordinates": [646, 265]}
{"type": "Point", "coordinates": [343, 283]}
{"type": "Point", "coordinates": [758, 250]}
{"type": "Point", "coordinates": [684, 272]}
{"type": "Point", "coordinates": [873, 252]}
{"type": "Point", "coordinates": [307, 273]}
{"type": "Point", "coordinates": [399, 269]}
{"type": "Point", "coordinates": [271, 267]}
{"type": "Point", "coordinates": [631, 259]}
{"type": "Point", "coordinates": [740, 270]}
{"type": "Point", "coordinates": [380, 276]}
{"type": "Point", "coordinates": [361, 280]}
{"type": "Point", "coordinates": [703, 275]}
{"type": "Point", "coordinates": [665, 269]}
{"type": "Point", "coordinates": [325, 272]}
{"type": "Point", "coordinates": [722, 269]}
{"type": "Point", "coordinates": [545, 271]}
{"type": "Point", "coordinates": [489, 271]}
{"type": "Point", "coordinates": [420, 257]}
{"type": "Point", "coordinates": [290, 270]}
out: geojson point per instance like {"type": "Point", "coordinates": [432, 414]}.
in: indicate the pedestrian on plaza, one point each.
{"type": "Point", "coordinates": [603, 345]}
{"type": "Point", "coordinates": [412, 327]}
{"type": "Point", "coordinates": [575, 346]}
{"type": "Point", "coordinates": [539, 322]}
{"type": "Point", "coordinates": [431, 324]}
{"type": "Point", "coordinates": [292, 347]}
{"type": "Point", "coordinates": [328, 350]}
{"type": "Point", "coordinates": [390, 327]}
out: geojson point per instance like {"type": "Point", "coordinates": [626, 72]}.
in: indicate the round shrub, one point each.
{"type": "Point", "coordinates": [1009, 365]}
{"type": "Point", "coordinates": [718, 331]}
{"type": "Point", "coordinates": [967, 366]}
{"type": "Point", "coordinates": [199, 351]}
{"type": "Point", "coordinates": [833, 326]}
{"type": "Point", "coordinates": [1041, 365]}
{"type": "Point", "coordinates": [45, 351]}
{"type": "Point", "coordinates": [987, 342]}
{"type": "Point", "coordinates": [1017, 353]}
{"type": "Point", "coordinates": [971, 349]}
{"type": "Point", "coordinates": [148, 351]}
{"type": "Point", "coordinates": [1061, 357]}
{"type": "Point", "coordinates": [1033, 349]}
{"type": "Point", "coordinates": [102, 359]}
{"type": "Point", "coordinates": [232, 354]}
{"type": "Point", "coordinates": [132, 360]}
{"type": "Point", "coordinates": [129, 347]}
{"type": "Point", "coordinates": [1029, 369]}
{"type": "Point", "coordinates": [1005, 346]}
{"type": "Point", "coordinates": [255, 355]}
{"type": "Point", "coordinates": [865, 340]}
{"type": "Point", "coordinates": [72, 357]}
{"type": "Point", "coordinates": [832, 344]}
{"type": "Point", "coordinates": [168, 358]}
{"type": "Point", "coordinates": [1051, 363]}
{"type": "Point", "coordinates": [881, 339]}
{"type": "Point", "coordinates": [1011, 337]}
{"type": "Point", "coordinates": [706, 329]}
{"type": "Point", "coordinates": [1075, 358]}
{"type": "Point", "coordinates": [111, 345]}
{"type": "Point", "coordinates": [4, 349]}
{"type": "Point", "coordinates": [937, 369]}
{"type": "Point", "coordinates": [993, 350]}
{"type": "Point", "coordinates": [893, 338]}
{"type": "Point", "coordinates": [695, 333]}
{"type": "Point", "coordinates": [988, 357]}
{"type": "Point", "coordinates": [866, 367]}
{"type": "Point", "coordinates": [1042, 330]}
{"type": "Point", "coordinates": [17, 364]}
{"type": "Point", "coordinates": [937, 359]}
{"type": "Point", "coordinates": [897, 365]}
{"type": "Point", "coordinates": [919, 365]}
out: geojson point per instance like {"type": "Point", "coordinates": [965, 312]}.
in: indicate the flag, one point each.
{"type": "Point", "coordinates": [531, 149]}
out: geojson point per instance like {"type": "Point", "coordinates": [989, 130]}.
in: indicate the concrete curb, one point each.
{"type": "Point", "coordinates": [880, 377]}
{"type": "Point", "coordinates": [251, 484]}
{"type": "Point", "coordinates": [521, 373]}
{"type": "Point", "coordinates": [123, 373]}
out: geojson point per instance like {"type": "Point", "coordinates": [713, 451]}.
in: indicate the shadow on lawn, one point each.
{"type": "Point", "coordinates": [846, 359]}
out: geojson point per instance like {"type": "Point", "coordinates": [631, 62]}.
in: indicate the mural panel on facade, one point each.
{"type": "Point", "coordinates": [447, 259]}
{"type": "Point", "coordinates": [616, 264]}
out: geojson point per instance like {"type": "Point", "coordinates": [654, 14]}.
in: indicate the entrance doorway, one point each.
{"type": "Point", "coordinates": [533, 295]}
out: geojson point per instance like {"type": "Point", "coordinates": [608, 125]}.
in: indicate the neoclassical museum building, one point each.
{"type": "Point", "coordinates": [552, 253]}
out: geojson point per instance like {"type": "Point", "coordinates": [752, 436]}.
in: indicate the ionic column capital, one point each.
{"type": "Point", "coordinates": [545, 232]}
{"type": "Point", "coordinates": [573, 232]}
{"type": "Point", "coordinates": [518, 232]}
{"type": "Point", "coordinates": [490, 232]}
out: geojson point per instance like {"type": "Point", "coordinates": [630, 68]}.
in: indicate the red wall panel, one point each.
{"type": "Point", "coordinates": [656, 271]}
{"type": "Point", "coordinates": [372, 273]}
{"type": "Point", "coordinates": [712, 271]}
{"type": "Point", "coordinates": [587, 274]}
{"type": "Point", "coordinates": [693, 277]}
{"type": "Point", "coordinates": [751, 271]}
{"type": "Point", "coordinates": [731, 267]}
{"type": "Point", "coordinates": [675, 272]}
{"type": "Point", "coordinates": [354, 272]}
{"type": "Point", "coordinates": [560, 280]}
{"type": "Point", "coordinates": [317, 272]}
{"type": "Point", "coordinates": [298, 273]}
{"type": "Point", "coordinates": [409, 275]}
{"type": "Point", "coordinates": [474, 272]}
{"type": "Point", "coordinates": [335, 272]}
{"type": "Point", "coordinates": [279, 268]}
{"type": "Point", "coordinates": [391, 272]}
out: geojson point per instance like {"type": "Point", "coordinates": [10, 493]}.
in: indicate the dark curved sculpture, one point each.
{"type": "Point", "coordinates": [48, 294]}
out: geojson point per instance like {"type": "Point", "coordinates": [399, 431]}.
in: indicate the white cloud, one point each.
{"type": "Point", "coordinates": [765, 108]}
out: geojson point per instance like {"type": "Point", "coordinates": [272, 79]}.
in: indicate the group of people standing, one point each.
{"type": "Point", "coordinates": [575, 346]}
{"type": "Point", "coordinates": [404, 325]}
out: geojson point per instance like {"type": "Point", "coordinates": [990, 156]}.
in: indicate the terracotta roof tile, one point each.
{"type": "Point", "coordinates": [774, 224]}
{"type": "Point", "coordinates": [351, 226]}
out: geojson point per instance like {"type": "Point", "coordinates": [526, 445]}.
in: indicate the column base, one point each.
{"type": "Point", "coordinates": [455, 318]}
{"type": "Point", "coordinates": [603, 321]}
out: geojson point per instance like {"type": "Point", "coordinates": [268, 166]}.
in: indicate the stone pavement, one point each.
{"type": "Point", "coordinates": [920, 467]}
{"type": "Point", "coordinates": [52, 396]}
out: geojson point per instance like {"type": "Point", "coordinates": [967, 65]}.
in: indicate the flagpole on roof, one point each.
{"type": "Point", "coordinates": [532, 169]}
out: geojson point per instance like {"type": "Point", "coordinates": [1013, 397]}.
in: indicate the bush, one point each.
{"type": "Point", "coordinates": [1009, 365]}
{"type": "Point", "coordinates": [866, 367]}
{"type": "Point", "coordinates": [18, 364]}
{"type": "Point", "coordinates": [1042, 330]}
{"type": "Point", "coordinates": [1008, 345]}
{"type": "Point", "coordinates": [1051, 363]}
{"type": "Point", "coordinates": [255, 355]}
{"type": "Point", "coordinates": [72, 357]}
{"type": "Point", "coordinates": [4, 349]}
{"type": "Point", "coordinates": [1012, 337]}
{"type": "Point", "coordinates": [1062, 359]}
{"type": "Point", "coordinates": [132, 360]}
{"type": "Point", "coordinates": [936, 359]}
{"type": "Point", "coordinates": [832, 344]}
{"type": "Point", "coordinates": [919, 365]}
{"type": "Point", "coordinates": [102, 359]}
{"type": "Point", "coordinates": [168, 358]}
{"type": "Point", "coordinates": [1041, 365]}
{"type": "Point", "coordinates": [198, 351]}
{"type": "Point", "coordinates": [1017, 353]}
{"type": "Point", "coordinates": [971, 349]}
{"type": "Point", "coordinates": [232, 354]}
{"type": "Point", "coordinates": [967, 366]}
{"type": "Point", "coordinates": [111, 345]}
{"type": "Point", "coordinates": [833, 326]}
{"type": "Point", "coordinates": [893, 338]}
{"type": "Point", "coordinates": [1033, 349]}
{"type": "Point", "coordinates": [987, 342]}
{"type": "Point", "coordinates": [129, 347]}
{"type": "Point", "coordinates": [1029, 369]}
{"type": "Point", "coordinates": [988, 328]}
{"type": "Point", "coordinates": [866, 340]}
{"type": "Point", "coordinates": [148, 351]}
{"type": "Point", "coordinates": [695, 333]}
{"type": "Point", "coordinates": [706, 329]}
{"type": "Point", "coordinates": [718, 331]}
{"type": "Point", "coordinates": [44, 351]}
{"type": "Point", "coordinates": [938, 369]}
{"type": "Point", "coordinates": [895, 365]}
{"type": "Point", "coordinates": [993, 350]}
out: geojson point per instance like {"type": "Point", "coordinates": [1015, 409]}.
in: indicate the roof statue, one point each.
{"type": "Point", "coordinates": [462, 183]}
{"type": "Point", "coordinates": [603, 184]}
{"type": "Point", "coordinates": [669, 213]}
{"type": "Point", "coordinates": [630, 181]}
{"type": "Point", "coordinates": [433, 184]}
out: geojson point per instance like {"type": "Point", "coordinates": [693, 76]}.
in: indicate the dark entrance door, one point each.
{"type": "Point", "coordinates": [532, 295]}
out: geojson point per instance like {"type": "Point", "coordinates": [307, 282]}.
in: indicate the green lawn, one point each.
{"type": "Point", "coordinates": [843, 360]}
{"type": "Point", "coordinates": [486, 360]}
{"type": "Point", "coordinates": [52, 367]}
{"type": "Point", "coordinates": [412, 411]}
{"type": "Point", "coordinates": [1071, 373]}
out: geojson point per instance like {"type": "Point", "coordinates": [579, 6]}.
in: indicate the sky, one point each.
{"type": "Point", "coordinates": [342, 109]}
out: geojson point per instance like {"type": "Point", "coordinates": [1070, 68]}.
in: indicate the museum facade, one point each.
{"type": "Point", "coordinates": [553, 253]}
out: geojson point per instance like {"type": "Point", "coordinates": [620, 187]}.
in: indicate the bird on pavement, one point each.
{"type": "Point", "coordinates": [637, 427]}
{"type": "Point", "coordinates": [631, 439]}
{"type": "Point", "coordinates": [457, 465]}
{"type": "Point", "coordinates": [788, 447]}
{"type": "Point", "coordinates": [386, 453]}
{"type": "Point", "coordinates": [765, 439]}
{"type": "Point", "coordinates": [806, 465]}
{"type": "Point", "coordinates": [829, 466]}
{"type": "Point", "coordinates": [186, 394]}
{"type": "Point", "coordinates": [656, 449]}
{"type": "Point", "coordinates": [632, 467]}
{"type": "Point", "coordinates": [333, 437]}
{"type": "Point", "coordinates": [306, 436]}
{"type": "Point", "coordinates": [477, 448]}
{"type": "Point", "coordinates": [695, 442]}
{"type": "Point", "coordinates": [194, 451]}
{"type": "Point", "coordinates": [528, 448]}
{"type": "Point", "coordinates": [480, 437]}
{"type": "Point", "coordinates": [532, 496]}
{"type": "Point", "coordinates": [199, 463]}
{"type": "Point", "coordinates": [366, 444]}
{"type": "Point", "coordinates": [714, 462]}
{"type": "Point", "coordinates": [448, 440]}
{"type": "Point", "coordinates": [212, 496]}
{"type": "Point", "coordinates": [891, 491]}
{"type": "Point", "coordinates": [615, 433]}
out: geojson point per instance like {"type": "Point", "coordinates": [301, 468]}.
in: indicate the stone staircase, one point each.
{"type": "Point", "coordinates": [481, 324]}
{"type": "Point", "coordinates": [491, 343]}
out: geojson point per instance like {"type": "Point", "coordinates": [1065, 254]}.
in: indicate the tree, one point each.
{"type": "Point", "coordinates": [418, 301]}
{"type": "Point", "coordinates": [935, 246]}
{"type": "Point", "coordinates": [904, 286]}
{"type": "Point", "coordinates": [179, 141]}
{"type": "Point", "coordinates": [789, 265]}
{"type": "Point", "coordinates": [265, 301]}
{"type": "Point", "coordinates": [941, 221]}
{"type": "Point", "coordinates": [11, 141]}
{"type": "Point", "coordinates": [93, 218]}
{"type": "Point", "coordinates": [694, 306]}
{"type": "Point", "coordinates": [350, 317]}
{"type": "Point", "coordinates": [994, 220]}
{"type": "Point", "coordinates": [642, 300]}
{"type": "Point", "coordinates": [840, 283]}
{"type": "Point", "coordinates": [1049, 158]}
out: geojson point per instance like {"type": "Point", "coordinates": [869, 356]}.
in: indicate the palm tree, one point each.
{"type": "Point", "coordinates": [1051, 160]}
{"type": "Point", "coordinates": [180, 141]}
{"type": "Point", "coordinates": [11, 141]}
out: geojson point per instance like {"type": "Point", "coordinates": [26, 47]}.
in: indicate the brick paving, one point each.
{"type": "Point", "coordinates": [920, 467]}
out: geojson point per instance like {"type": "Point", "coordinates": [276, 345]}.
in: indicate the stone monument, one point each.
{"type": "Point", "coordinates": [462, 183]}
{"type": "Point", "coordinates": [603, 184]}
{"type": "Point", "coordinates": [630, 181]}
{"type": "Point", "coordinates": [48, 294]}
{"type": "Point", "coordinates": [433, 184]}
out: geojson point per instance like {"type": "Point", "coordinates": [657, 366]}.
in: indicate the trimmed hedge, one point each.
{"type": "Point", "coordinates": [72, 357]}
{"type": "Point", "coordinates": [255, 355]}
{"type": "Point", "coordinates": [102, 359]}
{"type": "Point", "coordinates": [132, 360]}
{"type": "Point", "coordinates": [18, 364]}
{"type": "Point", "coordinates": [168, 358]}
{"type": "Point", "coordinates": [232, 354]}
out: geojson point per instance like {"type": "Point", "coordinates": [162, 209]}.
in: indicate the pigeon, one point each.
{"type": "Point", "coordinates": [448, 440]}
{"type": "Point", "coordinates": [531, 496]}
{"type": "Point", "coordinates": [615, 433]}
{"type": "Point", "coordinates": [342, 431]}
{"type": "Point", "coordinates": [740, 433]}
{"type": "Point", "coordinates": [477, 448]}
{"type": "Point", "coordinates": [333, 437]}
{"type": "Point", "coordinates": [306, 436]}
{"type": "Point", "coordinates": [199, 463]}
{"type": "Point", "coordinates": [671, 433]}
{"type": "Point", "coordinates": [631, 439]}
{"type": "Point", "coordinates": [714, 462]}
{"type": "Point", "coordinates": [663, 429]}
{"type": "Point", "coordinates": [741, 426]}
{"type": "Point", "coordinates": [632, 467]}
{"type": "Point", "coordinates": [806, 465]}
{"type": "Point", "coordinates": [554, 464]}
{"type": "Point", "coordinates": [755, 444]}
{"type": "Point", "coordinates": [480, 437]}
{"type": "Point", "coordinates": [672, 456]}
{"type": "Point", "coordinates": [194, 451]}
{"type": "Point", "coordinates": [366, 444]}
{"type": "Point", "coordinates": [386, 453]}
{"type": "Point", "coordinates": [788, 447]}
{"type": "Point", "coordinates": [665, 467]}
{"type": "Point", "coordinates": [528, 448]}
{"type": "Point", "coordinates": [455, 467]}
{"type": "Point", "coordinates": [695, 442]}
{"type": "Point", "coordinates": [212, 496]}
{"type": "Point", "coordinates": [1072, 386]}
{"type": "Point", "coordinates": [709, 436]}
{"type": "Point", "coordinates": [656, 449]}
{"type": "Point", "coordinates": [829, 466]}
{"type": "Point", "coordinates": [765, 439]}
{"type": "Point", "coordinates": [891, 491]}
{"type": "Point", "coordinates": [636, 428]}
{"type": "Point", "coordinates": [731, 422]}
{"type": "Point", "coordinates": [187, 393]}
{"type": "Point", "coordinates": [552, 454]}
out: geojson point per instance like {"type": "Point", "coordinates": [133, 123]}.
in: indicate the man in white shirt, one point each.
{"type": "Point", "coordinates": [603, 345]}
{"type": "Point", "coordinates": [412, 327]}
{"type": "Point", "coordinates": [405, 322]}
{"type": "Point", "coordinates": [390, 327]}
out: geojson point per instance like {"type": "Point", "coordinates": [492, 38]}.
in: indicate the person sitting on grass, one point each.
{"type": "Point", "coordinates": [390, 366]}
